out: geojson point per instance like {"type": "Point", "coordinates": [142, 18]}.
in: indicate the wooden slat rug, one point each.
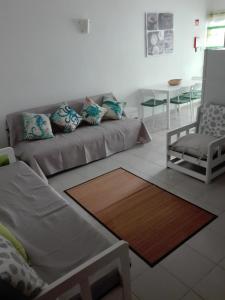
{"type": "Point", "coordinates": [153, 221]}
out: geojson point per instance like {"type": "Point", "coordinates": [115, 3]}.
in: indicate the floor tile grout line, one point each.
{"type": "Point", "coordinates": [182, 297]}
{"type": "Point", "coordinates": [219, 263]}
{"type": "Point", "coordinates": [175, 276]}
{"type": "Point", "coordinates": [136, 295]}
{"type": "Point", "coordinates": [206, 274]}
{"type": "Point", "coordinates": [192, 292]}
{"type": "Point", "coordinates": [202, 254]}
{"type": "Point", "coordinates": [195, 292]}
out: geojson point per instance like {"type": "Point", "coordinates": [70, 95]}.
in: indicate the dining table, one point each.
{"type": "Point", "coordinates": [167, 91]}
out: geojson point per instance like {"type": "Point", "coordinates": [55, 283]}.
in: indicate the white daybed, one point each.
{"type": "Point", "coordinates": [65, 250]}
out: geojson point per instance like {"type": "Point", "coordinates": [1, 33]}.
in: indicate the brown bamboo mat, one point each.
{"type": "Point", "coordinates": [153, 221]}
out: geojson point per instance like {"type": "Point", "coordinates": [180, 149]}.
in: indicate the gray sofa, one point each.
{"type": "Point", "coordinates": [56, 238]}
{"type": "Point", "coordinates": [86, 144]}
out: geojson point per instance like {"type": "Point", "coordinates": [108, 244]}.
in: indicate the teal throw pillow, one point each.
{"type": "Point", "coordinates": [36, 126]}
{"type": "Point", "coordinates": [92, 113]}
{"type": "Point", "coordinates": [66, 118]}
{"type": "Point", "coordinates": [114, 108]}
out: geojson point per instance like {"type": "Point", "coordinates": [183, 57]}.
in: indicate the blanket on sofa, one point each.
{"type": "Point", "coordinates": [85, 144]}
{"type": "Point", "coordinates": [55, 236]}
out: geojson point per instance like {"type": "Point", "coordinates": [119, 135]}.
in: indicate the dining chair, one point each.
{"type": "Point", "coordinates": [180, 99]}
{"type": "Point", "coordinates": [195, 92]}
{"type": "Point", "coordinates": [152, 102]}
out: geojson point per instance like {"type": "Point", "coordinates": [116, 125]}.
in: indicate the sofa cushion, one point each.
{"type": "Point", "coordinates": [4, 231]}
{"type": "Point", "coordinates": [66, 118]}
{"type": "Point", "coordinates": [37, 126]}
{"type": "Point", "coordinates": [193, 144]}
{"type": "Point", "coordinates": [114, 108]}
{"type": "Point", "coordinates": [15, 271]}
{"type": "Point", "coordinates": [212, 120]}
{"type": "Point", "coordinates": [92, 113]}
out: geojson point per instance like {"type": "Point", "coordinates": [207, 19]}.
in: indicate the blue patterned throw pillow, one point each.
{"type": "Point", "coordinates": [36, 126]}
{"type": "Point", "coordinates": [92, 113]}
{"type": "Point", "coordinates": [114, 109]}
{"type": "Point", "coordinates": [66, 118]}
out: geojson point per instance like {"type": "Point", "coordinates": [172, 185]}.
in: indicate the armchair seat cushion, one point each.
{"type": "Point", "coordinates": [194, 144]}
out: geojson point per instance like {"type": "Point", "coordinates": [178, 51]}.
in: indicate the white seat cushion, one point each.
{"type": "Point", "coordinates": [193, 144]}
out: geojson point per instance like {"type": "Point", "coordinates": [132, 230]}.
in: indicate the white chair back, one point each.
{"type": "Point", "coordinates": [214, 77]}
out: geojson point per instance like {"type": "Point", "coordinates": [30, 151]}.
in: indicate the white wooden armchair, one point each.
{"type": "Point", "coordinates": [205, 167]}
{"type": "Point", "coordinates": [198, 149]}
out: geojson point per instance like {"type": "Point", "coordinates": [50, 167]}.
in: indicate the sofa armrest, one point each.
{"type": "Point", "coordinates": [7, 154]}
{"type": "Point", "coordinates": [119, 252]}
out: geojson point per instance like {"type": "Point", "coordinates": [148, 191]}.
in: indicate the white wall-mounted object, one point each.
{"type": "Point", "coordinates": [84, 25]}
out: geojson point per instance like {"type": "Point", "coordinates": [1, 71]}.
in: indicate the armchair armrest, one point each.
{"type": "Point", "coordinates": [8, 155]}
{"type": "Point", "coordinates": [119, 252]}
{"type": "Point", "coordinates": [177, 132]}
{"type": "Point", "coordinates": [216, 147]}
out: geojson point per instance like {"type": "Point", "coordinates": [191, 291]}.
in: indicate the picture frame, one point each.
{"type": "Point", "coordinates": [159, 33]}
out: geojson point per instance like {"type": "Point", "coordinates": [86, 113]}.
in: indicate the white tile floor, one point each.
{"type": "Point", "coordinates": [196, 270]}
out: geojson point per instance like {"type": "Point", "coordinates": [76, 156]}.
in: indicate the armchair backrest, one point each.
{"type": "Point", "coordinates": [213, 89]}
{"type": "Point", "coordinates": [211, 120]}
{"type": "Point", "coordinates": [210, 116]}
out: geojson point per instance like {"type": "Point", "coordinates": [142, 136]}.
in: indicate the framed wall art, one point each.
{"type": "Point", "coordinates": [159, 33]}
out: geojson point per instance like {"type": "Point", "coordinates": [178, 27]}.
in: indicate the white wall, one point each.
{"type": "Point", "coordinates": [216, 5]}
{"type": "Point", "coordinates": [44, 58]}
